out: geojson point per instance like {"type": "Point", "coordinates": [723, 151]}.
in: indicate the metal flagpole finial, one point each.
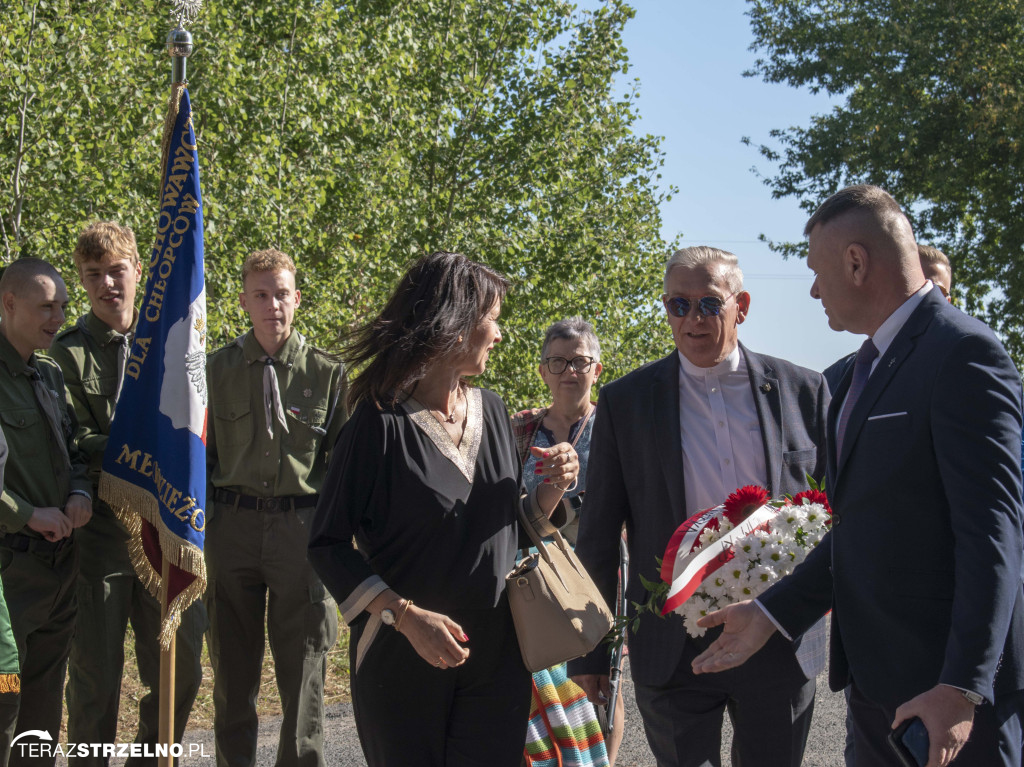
{"type": "Point", "coordinates": [179, 41]}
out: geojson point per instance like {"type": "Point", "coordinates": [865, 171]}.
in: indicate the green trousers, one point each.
{"type": "Point", "coordinates": [258, 570]}
{"type": "Point", "coordinates": [110, 596]}
{"type": "Point", "coordinates": [40, 593]}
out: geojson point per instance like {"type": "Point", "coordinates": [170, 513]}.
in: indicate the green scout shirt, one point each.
{"type": "Point", "coordinates": [87, 353]}
{"type": "Point", "coordinates": [32, 478]}
{"type": "Point", "coordinates": [240, 455]}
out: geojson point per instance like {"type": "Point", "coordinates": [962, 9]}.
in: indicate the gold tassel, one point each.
{"type": "Point", "coordinates": [132, 504]}
{"type": "Point", "coordinates": [10, 683]}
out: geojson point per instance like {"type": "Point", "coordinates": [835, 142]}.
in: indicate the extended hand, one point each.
{"type": "Point", "coordinates": [595, 686]}
{"type": "Point", "coordinates": [947, 715]}
{"type": "Point", "coordinates": [435, 637]}
{"type": "Point", "coordinates": [50, 522]}
{"type": "Point", "coordinates": [558, 465]}
{"type": "Point", "coordinates": [747, 629]}
{"type": "Point", "coordinates": [78, 509]}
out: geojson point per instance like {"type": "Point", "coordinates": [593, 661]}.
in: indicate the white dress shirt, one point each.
{"type": "Point", "coordinates": [721, 435]}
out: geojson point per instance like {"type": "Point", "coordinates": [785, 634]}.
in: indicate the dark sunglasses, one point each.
{"type": "Point", "coordinates": [557, 365]}
{"type": "Point", "coordinates": [708, 306]}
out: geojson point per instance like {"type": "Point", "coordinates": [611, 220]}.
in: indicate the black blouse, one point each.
{"type": "Point", "coordinates": [434, 523]}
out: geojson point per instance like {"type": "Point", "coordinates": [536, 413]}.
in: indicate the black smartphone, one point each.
{"type": "Point", "coordinates": [910, 742]}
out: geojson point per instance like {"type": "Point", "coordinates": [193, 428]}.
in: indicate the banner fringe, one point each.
{"type": "Point", "coordinates": [10, 683]}
{"type": "Point", "coordinates": [177, 89]}
{"type": "Point", "coordinates": [132, 504]}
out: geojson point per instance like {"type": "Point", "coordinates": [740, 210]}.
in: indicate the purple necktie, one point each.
{"type": "Point", "coordinates": [861, 371]}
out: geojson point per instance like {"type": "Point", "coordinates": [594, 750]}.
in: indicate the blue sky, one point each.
{"type": "Point", "coordinates": [689, 56]}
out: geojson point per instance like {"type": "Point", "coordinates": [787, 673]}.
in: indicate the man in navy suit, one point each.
{"type": "Point", "coordinates": [670, 439]}
{"type": "Point", "coordinates": [922, 568]}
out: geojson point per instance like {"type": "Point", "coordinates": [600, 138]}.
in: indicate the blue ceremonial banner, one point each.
{"type": "Point", "coordinates": [154, 468]}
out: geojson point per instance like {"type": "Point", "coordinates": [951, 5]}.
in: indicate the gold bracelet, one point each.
{"type": "Point", "coordinates": [405, 609]}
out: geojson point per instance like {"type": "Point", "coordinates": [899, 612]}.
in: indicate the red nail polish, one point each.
{"type": "Point", "coordinates": [547, 479]}
{"type": "Point", "coordinates": [536, 471]}
{"type": "Point", "coordinates": [547, 455]}
{"type": "Point", "coordinates": [540, 464]}
{"type": "Point", "coordinates": [465, 637]}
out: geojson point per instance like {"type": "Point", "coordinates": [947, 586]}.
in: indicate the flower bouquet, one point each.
{"type": "Point", "coordinates": [735, 552]}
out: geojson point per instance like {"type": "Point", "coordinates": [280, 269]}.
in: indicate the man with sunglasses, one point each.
{"type": "Point", "coordinates": [670, 439]}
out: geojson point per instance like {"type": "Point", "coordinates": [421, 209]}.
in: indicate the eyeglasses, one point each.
{"type": "Point", "coordinates": [708, 306]}
{"type": "Point", "coordinates": [557, 365]}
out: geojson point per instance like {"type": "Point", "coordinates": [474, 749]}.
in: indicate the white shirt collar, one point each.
{"type": "Point", "coordinates": [894, 323]}
{"type": "Point", "coordinates": [730, 364]}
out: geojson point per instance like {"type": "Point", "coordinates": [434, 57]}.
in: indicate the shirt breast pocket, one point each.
{"type": "Point", "coordinates": [99, 393]}
{"type": "Point", "coordinates": [232, 422]}
{"type": "Point", "coordinates": [306, 428]}
{"type": "Point", "coordinates": [21, 430]}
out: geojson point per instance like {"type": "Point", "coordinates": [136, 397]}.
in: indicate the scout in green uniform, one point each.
{"type": "Point", "coordinates": [92, 355]}
{"type": "Point", "coordinates": [46, 495]}
{"type": "Point", "coordinates": [275, 413]}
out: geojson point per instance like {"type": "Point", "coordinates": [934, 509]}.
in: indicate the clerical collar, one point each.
{"type": "Point", "coordinates": [730, 364]}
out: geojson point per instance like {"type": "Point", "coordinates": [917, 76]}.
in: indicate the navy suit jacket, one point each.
{"type": "Point", "coordinates": [836, 372]}
{"type": "Point", "coordinates": [635, 477]}
{"type": "Point", "coordinates": [922, 568]}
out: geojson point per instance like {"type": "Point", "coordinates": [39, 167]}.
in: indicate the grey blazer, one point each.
{"type": "Point", "coordinates": [635, 477]}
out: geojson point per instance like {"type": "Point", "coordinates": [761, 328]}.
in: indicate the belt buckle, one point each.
{"type": "Point", "coordinates": [268, 504]}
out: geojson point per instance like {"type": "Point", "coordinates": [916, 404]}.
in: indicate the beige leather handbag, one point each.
{"type": "Point", "coordinates": [558, 612]}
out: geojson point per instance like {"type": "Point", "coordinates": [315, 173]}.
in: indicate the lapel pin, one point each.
{"type": "Point", "coordinates": [766, 387]}
{"type": "Point", "coordinates": [892, 361]}
{"type": "Point", "coordinates": [307, 393]}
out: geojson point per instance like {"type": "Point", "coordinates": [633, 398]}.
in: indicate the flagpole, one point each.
{"type": "Point", "coordinates": [179, 46]}
{"type": "Point", "coordinates": [166, 717]}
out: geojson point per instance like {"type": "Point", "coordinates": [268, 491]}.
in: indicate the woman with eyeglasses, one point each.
{"type": "Point", "coordinates": [561, 719]}
{"type": "Point", "coordinates": [418, 525]}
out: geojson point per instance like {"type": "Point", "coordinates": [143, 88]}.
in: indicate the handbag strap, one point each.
{"type": "Point", "coordinates": [531, 532]}
{"type": "Point", "coordinates": [583, 425]}
{"type": "Point", "coordinates": [557, 539]}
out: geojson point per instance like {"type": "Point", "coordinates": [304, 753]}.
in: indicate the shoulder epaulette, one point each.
{"type": "Point", "coordinates": [79, 326]}
{"type": "Point", "coordinates": [224, 348]}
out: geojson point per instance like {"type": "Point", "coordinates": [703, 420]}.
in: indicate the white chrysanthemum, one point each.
{"type": "Point", "coordinates": [690, 622]}
{"type": "Point", "coordinates": [707, 537]}
{"type": "Point", "coordinates": [774, 553]}
{"type": "Point", "coordinates": [816, 515]}
{"type": "Point", "coordinates": [788, 519]}
{"type": "Point", "coordinates": [715, 588]}
{"type": "Point", "coordinates": [762, 574]}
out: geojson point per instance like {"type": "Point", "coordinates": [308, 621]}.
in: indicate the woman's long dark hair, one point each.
{"type": "Point", "coordinates": [436, 307]}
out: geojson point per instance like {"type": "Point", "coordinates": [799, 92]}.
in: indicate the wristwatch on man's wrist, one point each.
{"type": "Point", "coordinates": [973, 697]}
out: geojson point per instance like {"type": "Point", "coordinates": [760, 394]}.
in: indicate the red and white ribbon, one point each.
{"type": "Point", "coordinates": [691, 568]}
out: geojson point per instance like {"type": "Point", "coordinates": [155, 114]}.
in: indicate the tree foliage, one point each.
{"type": "Point", "coordinates": [355, 136]}
{"type": "Point", "coordinates": [930, 105]}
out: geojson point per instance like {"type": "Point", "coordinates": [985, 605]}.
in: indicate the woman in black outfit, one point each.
{"type": "Point", "coordinates": [426, 479]}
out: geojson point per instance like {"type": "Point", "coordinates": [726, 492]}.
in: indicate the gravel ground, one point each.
{"type": "Point", "coordinates": [824, 746]}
